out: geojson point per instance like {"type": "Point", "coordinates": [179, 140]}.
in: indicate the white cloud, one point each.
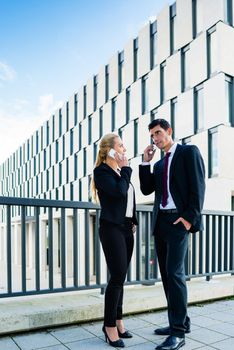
{"type": "Point", "coordinates": [7, 73]}
{"type": "Point", "coordinates": [21, 120]}
{"type": "Point", "coordinates": [47, 105]}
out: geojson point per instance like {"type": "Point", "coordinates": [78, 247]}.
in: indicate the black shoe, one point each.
{"type": "Point", "coordinates": [167, 330]}
{"type": "Point", "coordinates": [171, 343]}
{"type": "Point", "coordinates": [117, 343]}
{"type": "Point", "coordinates": [125, 335]}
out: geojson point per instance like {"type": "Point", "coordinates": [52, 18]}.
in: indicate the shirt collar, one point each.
{"type": "Point", "coordinates": [173, 148]}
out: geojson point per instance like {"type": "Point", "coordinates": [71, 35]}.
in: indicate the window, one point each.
{"type": "Point", "coordinates": [95, 91]}
{"type": "Point", "coordinates": [39, 164]}
{"type": "Point", "coordinates": [89, 129]}
{"type": "Point", "coordinates": [53, 127]}
{"type": "Point", "coordinates": [71, 141]}
{"type": "Point", "coordinates": [172, 27]}
{"type": "Point", "coordinates": [67, 170]}
{"type": "Point", "coordinates": [197, 14]}
{"type": "Point", "coordinates": [228, 8]}
{"type": "Point", "coordinates": [232, 203]}
{"type": "Point", "coordinates": [34, 166]}
{"type": "Point", "coordinates": [121, 67]}
{"type": "Point", "coordinates": [67, 116]}
{"type": "Point", "coordinates": [64, 145]}
{"type": "Point", "coordinates": [41, 182]}
{"type": "Point", "coordinates": [75, 166]}
{"type": "Point", "coordinates": [213, 152]}
{"type": "Point", "coordinates": [32, 144]}
{"type": "Point", "coordinates": [37, 187]}
{"type": "Point", "coordinates": [100, 122]}
{"type": "Point", "coordinates": [28, 150]}
{"type": "Point", "coordinates": [37, 145]}
{"type": "Point", "coordinates": [80, 190]}
{"type": "Point", "coordinates": [41, 142]}
{"type": "Point", "coordinates": [128, 96]}
{"type": "Point", "coordinates": [162, 82]}
{"type": "Point", "coordinates": [120, 132]}
{"type": "Point", "coordinates": [85, 100]}
{"type": "Point", "coordinates": [136, 137]}
{"type": "Point", "coordinates": [80, 136]}
{"type": "Point", "coordinates": [44, 159]}
{"type": "Point", "coordinates": [198, 108]}
{"type": "Point", "coordinates": [174, 116]}
{"type": "Point", "coordinates": [47, 180]}
{"type": "Point", "coordinates": [20, 159]}
{"type": "Point", "coordinates": [95, 147]}
{"type": "Point", "coordinates": [153, 44]}
{"type": "Point", "coordinates": [60, 122]}
{"type": "Point", "coordinates": [47, 134]}
{"type": "Point", "coordinates": [212, 51]}
{"type": "Point", "coordinates": [113, 113]}
{"type": "Point", "coordinates": [89, 188]}
{"type": "Point", "coordinates": [145, 95]}
{"type": "Point", "coordinates": [60, 174]}
{"type": "Point", "coordinates": [185, 66]}
{"type": "Point", "coordinates": [186, 140]}
{"type": "Point", "coordinates": [153, 114]}
{"type": "Point", "coordinates": [63, 192]}
{"type": "Point", "coordinates": [75, 109]}
{"type": "Point", "coordinates": [53, 177]}
{"type": "Point", "coordinates": [56, 151]}
{"type": "Point", "coordinates": [229, 99]}
{"type": "Point", "coordinates": [50, 158]}
{"type": "Point", "coordinates": [71, 191]}
{"type": "Point", "coordinates": [107, 82]}
{"type": "Point", "coordinates": [135, 58]}
{"type": "Point", "coordinates": [85, 162]}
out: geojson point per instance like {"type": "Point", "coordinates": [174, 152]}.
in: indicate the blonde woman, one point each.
{"type": "Point", "coordinates": [112, 186]}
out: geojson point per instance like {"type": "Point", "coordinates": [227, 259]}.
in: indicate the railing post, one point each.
{"type": "Point", "coordinates": [9, 258]}
{"type": "Point", "coordinates": [63, 248]}
{"type": "Point", "coordinates": [23, 247]}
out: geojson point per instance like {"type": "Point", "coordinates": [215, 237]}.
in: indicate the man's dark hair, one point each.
{"type": "Point", "coordinates": [162, 122]}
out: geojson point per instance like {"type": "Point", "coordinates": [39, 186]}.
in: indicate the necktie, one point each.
{"type": "Point", "coordinates": [165, 170]}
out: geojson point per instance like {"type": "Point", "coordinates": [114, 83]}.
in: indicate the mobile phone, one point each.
{"type": "Point", "coordinates": [154, 147]}
{"type": "Point", "coordinates": [111, 153]}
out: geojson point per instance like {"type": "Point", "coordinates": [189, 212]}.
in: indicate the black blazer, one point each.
{"type": "Point", "coordinates": [187, 184]}
{"type": "Point", "coordinates": [112, 192]}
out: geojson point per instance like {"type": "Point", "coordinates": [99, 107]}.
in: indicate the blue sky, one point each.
{"type": "Point", "coordinates": [49, 48]}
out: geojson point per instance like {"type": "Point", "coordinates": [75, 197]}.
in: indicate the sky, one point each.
{"type": "Point", "coordinates": [49, 48]}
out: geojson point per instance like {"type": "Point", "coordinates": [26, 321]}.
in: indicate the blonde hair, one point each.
{"type": "Point", "coordinates": [107, 142]}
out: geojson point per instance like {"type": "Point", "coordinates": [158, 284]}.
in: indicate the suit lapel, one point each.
{"type": "Point", "coordinates": [177, 152]}
{"type": "Point", "coordinates": [111, 171]}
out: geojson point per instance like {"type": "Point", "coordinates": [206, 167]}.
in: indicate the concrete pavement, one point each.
{"type": "Point", "coordinates": [212, 328]}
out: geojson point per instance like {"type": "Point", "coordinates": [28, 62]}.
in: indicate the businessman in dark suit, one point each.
{"type": "Point", "coordinates": [179, 185]}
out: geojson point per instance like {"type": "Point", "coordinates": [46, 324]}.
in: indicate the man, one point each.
{"type": "Point", "coordinates": [179, 186]}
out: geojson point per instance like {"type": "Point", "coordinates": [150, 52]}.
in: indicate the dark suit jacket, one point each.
{"type": "Point", "coordinates": [187, 184]}
{"type": "Point", "coordinates": [112, 192]}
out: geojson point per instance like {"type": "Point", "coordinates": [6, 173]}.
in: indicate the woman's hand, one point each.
{"type": "Point", "coordinates": [133, 228]}
{"type": "Point", "coordinates": [121, 160]}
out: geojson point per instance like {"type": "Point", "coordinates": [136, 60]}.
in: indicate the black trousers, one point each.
{"type": "Point", "coordinates": [171, 242]}
{"type": "Point", "coordinates": [117, 243]}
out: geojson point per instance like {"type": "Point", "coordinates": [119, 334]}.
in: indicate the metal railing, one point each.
{"type": "Point", "coordinates": [49, 246]}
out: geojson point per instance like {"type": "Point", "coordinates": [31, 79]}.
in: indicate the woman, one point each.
{"type": "Point", "coordinates": [111, 182]}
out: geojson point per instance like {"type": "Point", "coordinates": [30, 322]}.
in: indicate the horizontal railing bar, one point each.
{"type": "Point", "coordinates": [35, 202]}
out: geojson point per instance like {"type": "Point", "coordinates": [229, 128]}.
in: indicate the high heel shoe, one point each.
{"type": "Point", "coordinates": [124, 335]}
{"type": "Point", "coordinates": [117, 343]}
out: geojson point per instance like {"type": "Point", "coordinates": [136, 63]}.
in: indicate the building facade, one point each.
{"type": "Point", "coordinates": [180, 67]}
